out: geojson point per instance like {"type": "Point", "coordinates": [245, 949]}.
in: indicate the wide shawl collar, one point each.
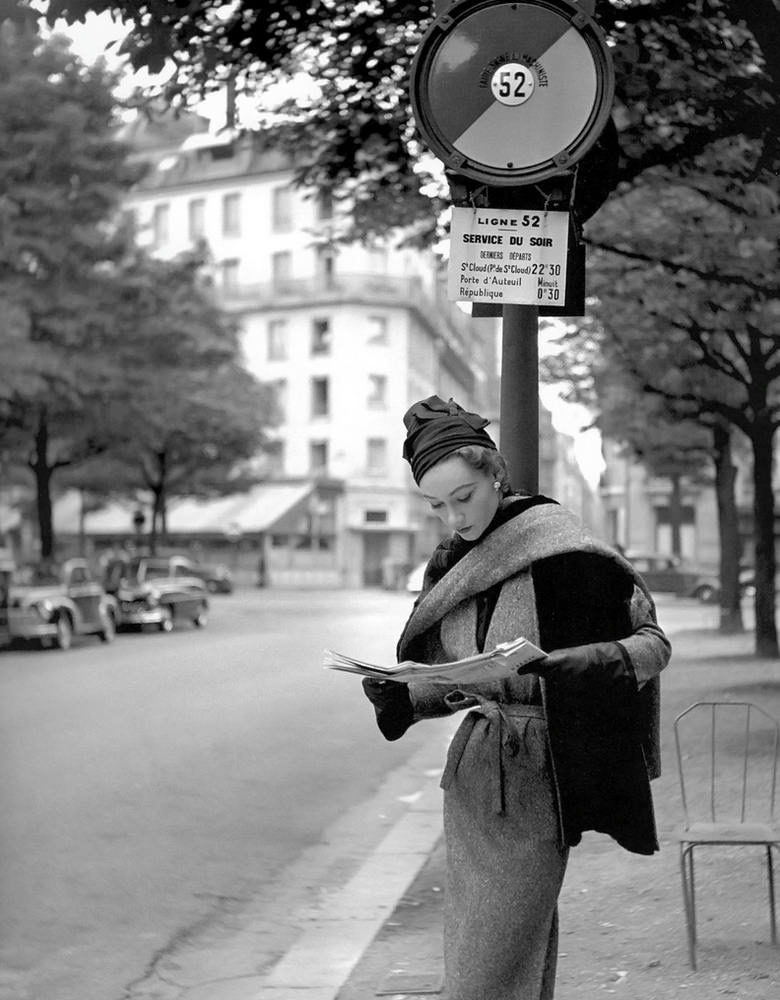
{"type": "Point", "coordinates": [593, 771]}
{"type": "Point", "coordinates": [511, 548]}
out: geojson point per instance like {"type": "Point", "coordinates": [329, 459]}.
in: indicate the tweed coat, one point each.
{"type": "Point", "coordinates": [559, 587]}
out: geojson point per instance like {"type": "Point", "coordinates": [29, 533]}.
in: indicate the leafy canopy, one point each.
{"type": "Point", "coordinates": [689, 73]}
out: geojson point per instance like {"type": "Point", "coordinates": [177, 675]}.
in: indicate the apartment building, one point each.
{"type": "Point", "coordinates": [347, 335]}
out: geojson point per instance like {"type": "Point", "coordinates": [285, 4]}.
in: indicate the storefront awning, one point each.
{"type": "Point", "coordinates": [258, 510]}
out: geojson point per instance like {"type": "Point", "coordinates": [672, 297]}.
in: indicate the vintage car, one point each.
{"type": "Point", "coordinates": [670, 574]}
{"type": "Point", "coordinates": [218, 578]}
{"type": "Point", "coordinates": [50, 604]}
{"type": "Point", "coordinates": [157, 591]}
{"type": "Point", "coordinates": [666, 573]}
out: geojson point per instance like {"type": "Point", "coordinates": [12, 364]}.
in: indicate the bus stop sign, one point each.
{"type": "Point", "coordinates": [512, 93]}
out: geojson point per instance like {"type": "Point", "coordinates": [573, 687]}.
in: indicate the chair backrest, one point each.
{"type": "Point", "coordinates": [727, 755]}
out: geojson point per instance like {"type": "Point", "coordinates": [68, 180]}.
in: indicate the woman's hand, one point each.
{"type": "Point", "coordinates": [594, 664]}
{"type": "Point", "coordinates": [392, 704]}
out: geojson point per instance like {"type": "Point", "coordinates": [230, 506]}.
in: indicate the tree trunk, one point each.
{"type": "Point", "coordinates": [764, 534]}
{"type": "Point", "coordinates": [42, 473]}
{"type": "Point", "coordinates": [154, 529]}
{"type": "Point", "coordinates": [728, 531]}
{"type": "Point", "coordinates": [675, 514]}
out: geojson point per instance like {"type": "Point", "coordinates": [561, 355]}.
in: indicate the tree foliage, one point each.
{"type": "Point", "coordinates": [197, 415]}
{"type": "Point", "coordinates": [688, 303]}
{"type": "Point", "coordinates": [689, 73]}
{"type": "Point", "coordinates": [103, 352]}
{"type": "Point", "coordinates": [62, 177]}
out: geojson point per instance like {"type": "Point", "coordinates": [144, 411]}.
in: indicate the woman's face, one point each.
{"type": "Point", "coordinates": [464, 498]}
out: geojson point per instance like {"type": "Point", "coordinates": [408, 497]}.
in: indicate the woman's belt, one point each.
{"type": "Point", "coordinates": [501, 733]}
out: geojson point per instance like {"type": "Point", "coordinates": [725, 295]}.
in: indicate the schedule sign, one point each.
{"type": "Point", "coordinates": [508, 255]}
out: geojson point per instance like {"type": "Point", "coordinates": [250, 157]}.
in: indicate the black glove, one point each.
{"type": "Point", "coordinates": [392, 704]}
{"type": "Point", "coordinates": [598, 664]}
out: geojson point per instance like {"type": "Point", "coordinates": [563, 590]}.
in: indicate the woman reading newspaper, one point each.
{"type": "Point", "coordinates": [566, 744]}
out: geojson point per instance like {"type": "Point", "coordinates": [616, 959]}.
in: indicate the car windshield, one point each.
{"type": "Point", "coordinates": [36, 576]}
{"type": "Point", "coordinates": [156, 570]}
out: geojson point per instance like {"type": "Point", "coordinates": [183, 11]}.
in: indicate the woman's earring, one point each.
{"type": "Point", "coordinates": [496, 485]}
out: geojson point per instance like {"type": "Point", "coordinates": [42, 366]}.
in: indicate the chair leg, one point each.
{"type": "Point", "coordinates": [771, 877]}
{"type": "Point", "coordinates": [689, 898]}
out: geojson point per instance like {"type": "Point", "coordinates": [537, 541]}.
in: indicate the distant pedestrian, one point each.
{"type": "Point", "coordinates": [567, 745]}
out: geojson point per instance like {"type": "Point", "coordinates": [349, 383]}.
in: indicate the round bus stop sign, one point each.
{"type": "Point", "coordinates": [512, 93]}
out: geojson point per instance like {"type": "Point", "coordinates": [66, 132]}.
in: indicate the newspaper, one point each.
{"type": "Point", "coordinates": [503, 661]}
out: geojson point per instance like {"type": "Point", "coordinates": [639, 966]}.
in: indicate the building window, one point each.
{"type": "Point", "coordinates": [320, 401]}
{"type": "Point", "coordinates": [377, 392]}
{"type": "Point", "coordinates": [376, 456]}
{"type": "Point", "coordinates": [281, 209]}
{"type": "Point", "coordinates": [378, 259]}
{"type": "Point", "coordinates": [196, 216]}
{"type": "Point", "coordinates": [130, 220]}
{"type": "Point", "coordinates": [320, 336]}
{"type": "Point", "coordinates": [375, 516]}
{"type": "Point", "coordinates": [229, 272]}
{"type": "Point", "coordinates": [231, 215]}
{"type": "Point", "coordinates": [279, 392]}
{"type": "Point", "coordinates": [377, 331]}
{"type": "Point", "coordinates": [281, 267]}
{"type": "Point", "coordinates": [277, 340]}
{"type": "Point", "coordinates": [326, 266]}
{"type": "Point", "coordinates": [161, 220]}
{"type": "Point", "coordinates": [274, 458]}
{"type": "Point", "coordinates": [318, 458]}
{"type": "Point", "coordinates": [325, 206]}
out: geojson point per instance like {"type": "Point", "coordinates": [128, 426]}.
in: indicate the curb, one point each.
{"type": "Point", "coordinates": [328, 929]}
{"type": "Point", "coordinates": [320, 962]}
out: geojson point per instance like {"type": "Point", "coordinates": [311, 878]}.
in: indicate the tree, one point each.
{"type": "Point", "coordinates": [195, 416]}
{"type": "Point", "coordinates": [105, 352]}
{"type": "Point", "coordinates": [62, 176]}
{"type": "Point", "coordinates": [691, 304]}
{"type": "Point", "coordinates": [603, 374]}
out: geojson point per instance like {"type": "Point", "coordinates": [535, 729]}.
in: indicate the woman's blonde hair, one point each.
{"type": "Point", "coordinates": [489, 461]}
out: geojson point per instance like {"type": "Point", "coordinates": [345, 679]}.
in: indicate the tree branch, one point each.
{"type": "Point", "coordinates": [771, 291]}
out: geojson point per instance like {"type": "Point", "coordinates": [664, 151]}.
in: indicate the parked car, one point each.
{"type": "Point", "coordinates": [51, 604]}
{"type": "Point", "coordinates": [665, 573]}
{"type": "Point", "coordinates": [218, 579]}
{"type": "Point", "coordinates": [157, 591]}
{"type": "Point", "coordinates": [669, 574]}
{"type": "Point", "coordinates": [707, 588]}
{"type": "Point", "coordinates": [414, 580]}
{"type": "Point", "coordinates": [7, 567]}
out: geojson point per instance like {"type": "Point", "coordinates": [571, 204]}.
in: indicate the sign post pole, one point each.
{"type": "Point", "coordinates": [519, 410]}
{"type": "Point", "coordinates": [511, 96]}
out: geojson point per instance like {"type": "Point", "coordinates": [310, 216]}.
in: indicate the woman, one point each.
{"type": "Point", "coordinates": [567, 745]}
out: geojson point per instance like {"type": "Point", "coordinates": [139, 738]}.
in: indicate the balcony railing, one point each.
{"type": "Point", "coordinates": [378, 288]}
{"type": "Point", "coordinates": [371, 289]}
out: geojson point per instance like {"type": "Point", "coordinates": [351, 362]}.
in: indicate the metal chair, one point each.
{"type": "Point", "coordinates": [727, 754]}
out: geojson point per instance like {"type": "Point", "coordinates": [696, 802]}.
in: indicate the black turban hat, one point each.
{"type": "Point", "coordinates": [435, 429]}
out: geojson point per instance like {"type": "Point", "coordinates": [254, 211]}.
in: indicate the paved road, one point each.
{"type": "Point", "coordinates": [151, 786]}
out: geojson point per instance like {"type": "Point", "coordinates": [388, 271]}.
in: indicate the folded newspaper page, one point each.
{"type": "Point", "coordinates": [498, 663]}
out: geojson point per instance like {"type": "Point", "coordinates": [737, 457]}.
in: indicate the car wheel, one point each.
{"type": "Point", "coordinates": [64, 636]}
{"type": "Point", "coordinates": [706, 593]}
{"type": "Point", "coordinates": [201, 618]}
{"type": "Point", "coordinates": [166, 622]}
{"type": "Point", "coordinates": [108, 632]}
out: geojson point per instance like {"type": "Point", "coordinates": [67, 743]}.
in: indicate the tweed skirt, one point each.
{"type": "Point", "coordinates": [505, 858]}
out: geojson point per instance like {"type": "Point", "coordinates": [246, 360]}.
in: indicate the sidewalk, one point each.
{"type": "Point", "coordinates": [621, 915]}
